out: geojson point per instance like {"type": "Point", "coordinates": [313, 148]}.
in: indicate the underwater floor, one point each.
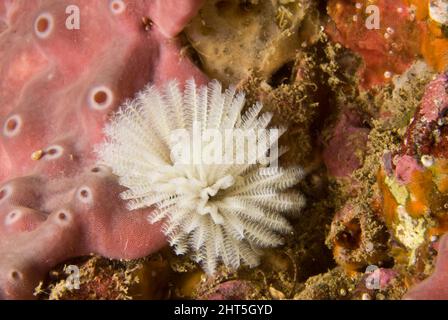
{"type": "Point", "coordinates": [224, 149]}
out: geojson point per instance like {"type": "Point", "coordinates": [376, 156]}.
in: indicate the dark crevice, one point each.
{"type": "Point", "coordinates": [282, 75]}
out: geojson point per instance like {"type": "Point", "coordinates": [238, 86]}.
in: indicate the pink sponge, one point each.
{"type": "Point", "coordinates": [58, 87]}
{"type": "Point", "coordinates": [348, 138]}
{"type": "Point", "coordinates": [436, 286]}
